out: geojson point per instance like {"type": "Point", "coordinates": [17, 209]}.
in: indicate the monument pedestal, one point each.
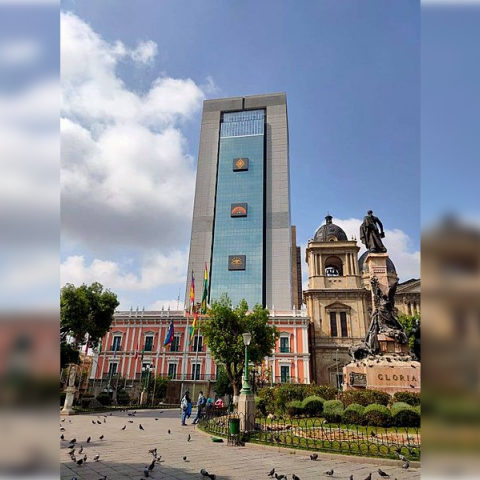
{"type": "Point", "coordinates": [68, 405]}
{"type": "Point", "coordinates": [246, 412]}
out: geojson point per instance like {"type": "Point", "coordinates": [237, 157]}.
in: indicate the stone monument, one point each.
{"type": "Point", "coordinates": [383, 361]}
{"type": "Point", "coordinates": [70, 391]}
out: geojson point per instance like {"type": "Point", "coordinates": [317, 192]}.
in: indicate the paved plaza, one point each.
{"type": "Point", "coordinates": [124, 453]}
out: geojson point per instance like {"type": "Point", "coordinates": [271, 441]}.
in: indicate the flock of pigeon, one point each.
{"type": "Point", "coordinates": [75, 451]}
{"type": "Point", "coordinates": [329, 473]}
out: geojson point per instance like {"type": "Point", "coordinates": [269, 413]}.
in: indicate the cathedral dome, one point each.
{"type": "Point", "coordinates": [330, 232]}
{"type": "Point", "coordinates": [361, 264]}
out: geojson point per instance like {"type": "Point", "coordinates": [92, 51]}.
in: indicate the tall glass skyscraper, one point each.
{"type": "Point", "coordinates": [241, 220]}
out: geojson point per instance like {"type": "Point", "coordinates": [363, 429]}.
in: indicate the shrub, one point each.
{"type": "Point", "coordinates": [266, 397]}
{"type": "Point", "coordinates": [286, 393]}
{"type": "Point", "coordinates": [403, 415]}
{"type": "Point", "coordinates": [261, 406]}
{"type": "Point", "coordinates": [333, 411]}
{"type": "Point", "coordinates": [294, 408]}
{"type": "Point", "coordinates": [313, 406]}
{"type": "Point", "coordinates": [377, 415]}
{"type": "Point", "coordinates": [353, 414]}
{"type": "Point", "coordinates": [365, 397]}
{"type": "Point", "coordinates": [418, 409]}
{"type": "Point", "coordinates": [413, 399]}
{"type": "Point", "coordinates": [104, 398]}
{"type": "Point", "coordinates": [86, 399]}
{"type": "Point", "coordinates": [327, 392]}
{"type": "Point", "coordinates": [123, 398]}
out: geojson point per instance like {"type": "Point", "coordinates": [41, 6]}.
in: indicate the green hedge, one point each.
{"type": "Point", "coordinates": [294, 408]}
{"type": "Point", "coordinates": [353, 414]}
{"type": "Point", "coordinates": [333, 411]}
{"type": "Point", "coordinates": [377, 415]}
{"type": "Point", "coordinates": [104, 398]}
{"type": "Point", "coordinates": [365, 397]}
{"type": "Point", "coordinates": [123, 398]}
{"type": "Point", "coordinates": [313, 406]}
{"type": "Point", "coordinates": [404, 415]}
{"type": "Point", "coordinates": [413, 399]}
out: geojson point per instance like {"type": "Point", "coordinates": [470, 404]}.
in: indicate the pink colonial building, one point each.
{"type": "Point", "coordinates": [133, 349]}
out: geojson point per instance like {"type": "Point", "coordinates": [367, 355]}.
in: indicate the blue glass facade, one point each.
{"type": "Point", "coordinates": [241, 136]}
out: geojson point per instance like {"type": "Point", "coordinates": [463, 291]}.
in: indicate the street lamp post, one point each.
{"type": "Point", "coordinates": [144, 394]}
{"type": "Point", "coordinates": [247, 337]}
{"type": "Point", "coordinates": [246, 402]}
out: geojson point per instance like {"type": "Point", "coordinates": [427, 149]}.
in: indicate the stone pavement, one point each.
{"type": "Point", "coordinates": [124, 453]}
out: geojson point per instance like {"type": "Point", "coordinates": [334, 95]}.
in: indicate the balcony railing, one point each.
{"type": "Point", "coordinates": [118, 349]}
{"type": "Point", "coordinates": [178, 377]}
{"type": "Point", "coordinates": [284, 349]}
{"type": "Point", "coordinates": [148, 348]}
{"type": "Point", "coordinates": [286, 379]}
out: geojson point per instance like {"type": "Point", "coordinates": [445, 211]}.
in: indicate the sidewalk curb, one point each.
{"type": "Point", "coordinates": [323, 455]}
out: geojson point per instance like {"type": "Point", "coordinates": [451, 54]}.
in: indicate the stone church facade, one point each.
{"type": "Point", "coordinates": [339, 301]}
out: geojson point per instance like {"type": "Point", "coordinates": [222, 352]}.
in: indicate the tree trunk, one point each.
{"type": "Point", "coordinates": [236, 393]}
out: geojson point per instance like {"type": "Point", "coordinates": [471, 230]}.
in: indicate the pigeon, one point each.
{"type": "Point", "coordinates": [103, 478]}
{"type": "Point", "coordinates": [406, 465]}
{"type": "Point", "coordinates": [74, 478]}
{"type": "Point", "coordinates": [101, 437]}
{"type": "Point", "coordinates": [369, 477]}
{"type": "Point", "coordinates": [104, 419]}
{"type": "Point", "coordinates": [93, 421]}
{"type": "Point", "coordinates": [184, 459]}
{"type": "Point", "coordinates": [272, 471]}
{"type": "Point", "coordinates": [73, 440]}
{"type": "Point", "coordinates": [130, 421]}
{"type": "Point", "coordinates": [88, 439]}
{"type": "Point", "coordinates": [63, 420]}
{"type": "Point", "coordinates": [294, 477]}
{"type": "Point", "coordinates": [161, 411]}
{"type": "Point", "coordinates": [329, 472]}
{"type": "Point", "coordinates": [124, 427]}
{"type": "Point", "coordinates": [280, 477]}
{"type": "Point", "coordinates": [204, 473]}
{"type": "Point", "coordinates": [382, 473]}
{"type": "Point", "coordinates": [62, 429]}
{"type": "Point", "coordinates": [74, 458]}
{"type": "Point", "coordinates": [140, 426]}
{"type": "Point", "coordinates": [99, 422]}
{"type": "Point", "coordinates": [80, 462]}
{"type": "Point", "coordinates": [71, 452]}
{"type": "Point", "coordinates": [351, 477]}
{"type": "Point", "coordinates": [401, 457]}
{"type": "Point", "coordinates": [81, 450]}
{"type": "Point", "coordinates": [189, 438]}
{"type": "Point", "coordinates": [62, 437]}
{"type": "Point", "coordinates": [96, 458]}
{"type": "Point", "coordinates": [313, 456]}
{"type": "Point", "coordinates": [85, 458]}
{"type": "Point", "coordinates": [156, 419]}
{"type": "Point", "coordinates": [169, 432]}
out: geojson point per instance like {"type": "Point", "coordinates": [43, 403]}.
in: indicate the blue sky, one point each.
{"type": "Point", "coordinates": [351, 71]}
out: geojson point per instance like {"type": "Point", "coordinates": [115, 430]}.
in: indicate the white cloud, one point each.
{"type": "Point", "coordinates": [167, 304]}
{"type": "Point", "coordinates": [145, 52]}
{"type": "Point", "coordinates": [20, 51]}
{"type": "Point", "coordinates": [127, 179]}
{"type": "Point", "coordinates": [155, 271]}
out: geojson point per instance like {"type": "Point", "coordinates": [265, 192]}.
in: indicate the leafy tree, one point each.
{"type": "Point", "coordinates": [223, 385]}
{"type": "Point", "coordinates": [411, 324]}
{"type": "Point", "coordinates": [86, 310]}
{"type": "Point", "coordinates": [223, 329]}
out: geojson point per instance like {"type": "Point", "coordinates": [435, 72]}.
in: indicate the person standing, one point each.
{"type": "Point", "coordinates": [200, 406]}
{"type": "Point", "coordinates": [184, 405]}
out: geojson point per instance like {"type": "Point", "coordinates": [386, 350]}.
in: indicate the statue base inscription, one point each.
{"type": "Point", "coordinates": [389, 373]}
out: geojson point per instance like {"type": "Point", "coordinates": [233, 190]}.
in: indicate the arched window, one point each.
{"type": "Point", "coordinates": [333, 267]}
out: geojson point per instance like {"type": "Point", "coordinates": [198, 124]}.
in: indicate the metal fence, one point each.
{"type": "Point", "coordinates": [316, 435]}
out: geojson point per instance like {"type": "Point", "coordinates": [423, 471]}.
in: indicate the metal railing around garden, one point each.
{"type": "Point", "coordinates": [316, 435]}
